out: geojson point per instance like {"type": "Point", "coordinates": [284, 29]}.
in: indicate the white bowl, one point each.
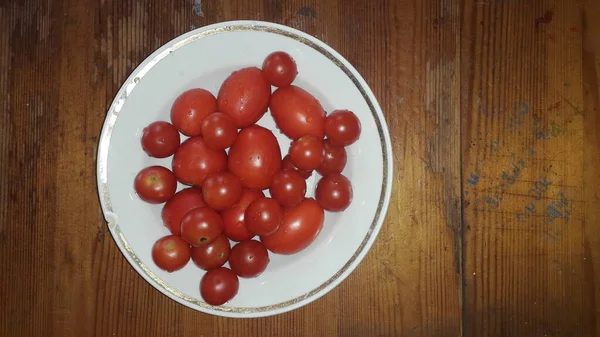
{"type": "Point", "coordinates": [204, 58]}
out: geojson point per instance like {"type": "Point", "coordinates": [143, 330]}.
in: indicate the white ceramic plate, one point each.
{"type": "Point", "coordinates": [204, 58]}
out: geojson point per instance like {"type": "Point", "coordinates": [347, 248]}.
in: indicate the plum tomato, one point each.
{"type": "Point", "coordinates": [212, 256]}
{"type": "Point", "coordinates": [201, 226]}
{"type": "Point", "coordinates": [334, 159]}
{"type": "Point", "coordinates": [221, 190]}
{"type": "Point", "coordinates": [288, 188]}
{"type": "Point", "coordinates": [155, 184]}
{"type": "Point", "coordinates": [280, 69]}
{"type": "Point", "coordinates": [255, 157]}
{"type": "Point", "coordinates": [181, 203]}
{"type": "Point", "coordinates": [171, 253]}
{"type": "Point", "coordinates": [263, 216]}
{"type": "Point", "coordinates": [248, 258]}
{"type": "Point", "coordinates": [307, 153]}
{"type": "Point", "coordinates": [194, 161]}
{"type": "Point", "coordinates": [244, 96]}
{"type": "Point", "coordinates": [297, 113]}
{"type": "Point", "coordinates": [234, 224]}
{"type": "Point", "coordinates": [160, 139]}
{"type": "Point", "coordinates": [218, 286]}
{"type": "Point", "coordinates": [286, 163]}
{"type": "Point", "coordinates": [342, 128]}
{"type": "Point", "coordinates": [299, 228]}
{"type": "Point", "coordinates": [334, 192]}
{"type": "Point", "coordinates": [219, 131]}
{"type": "Point", "coordinates": [190, 109]}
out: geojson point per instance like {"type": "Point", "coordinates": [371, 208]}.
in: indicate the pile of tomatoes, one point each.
{"type": "Point", "coordinates": [225, 201]}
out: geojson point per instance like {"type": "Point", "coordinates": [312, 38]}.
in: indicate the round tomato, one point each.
{"type": "Point", "coordinates": [280, 69]}
{"type": "Point", "coordinates": [155, 184]}
{"type": "Point", "coordinates": [288, 188]}
{"type": "Point", "coordinates": [219, 285]}
{"type": "Point", "coordinates": [263, 216]}
{"type": "Point", "coordinates": [221, 190]}
{"type": "Point", "coordinates": [160, 139]}
{"type": "Point", "coordinates": [219, 131]}
{"type": "Point", "coordinates": [255, 157]}
{"type": "Point", "coordinates": [234, 225]}
{"type": "Point", "coordinates": [244, 96]}
{"type": "Point", "coordinates": [190, 109]}
{"type": "Point", "coordinates": [212, 256]}
{"type": "Point", "coordinates": [181, 203]}
{"type": "Point", "coordinates": [342, 128]}
{"type": "Point", "coordinates": [299, 228]}
{"type": "Point", "coordinates": [171, 253]}
{"type": "Point", "coordinates": [194, 160]}
{"type": "Point", "coordinates": [307, 153]}
{"type": "Point", "coordinates": [334, 159]}
{"type": "Point", "coordinates": [201, 226]}
{"type": "Point", "coordinates": [297, 113]}
{"type": "Point", "coordinates": [334, 192]}
{"type": "Point", "coordinates": [249, 259]}
{"type": "Point", "coordinates": [286, 163]}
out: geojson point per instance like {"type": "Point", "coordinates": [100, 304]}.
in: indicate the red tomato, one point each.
{"type": "Point", "coordinates": [288, 188]}
{"type": "Point", "coordinates": [219, 131]}
{"type": "Point", "coordinates": [249, 259]}
{"type": "Point", "coordinates": [160, 139]}
{"type": "Point", "coordinates": [255, 157]}
{"type": "Point", "coordinates": [342, 128]}
{"type": "Point", "coordinates": [171, 253]}
{"type": "Point", "coordinates": [244, 96]}
{"type": "Point", "coordinates": [219, 285]}
{"type": "Point", "coordinates": [221, 190]}
{"type": "Point", "coordinates": [194, 160]}
{"type": "Point", "coordinates": [190, 109]}
{"type": "Point", "coordinates": [263, 216]}
{"type": "Point", "coordinates": [280, 69]}
{"type": "Point", "coordinates": [334, 159]}
{"type": "Point", "coordinates": [334, 192]}
{"type": "Point", "coordinates": [307, 153]}
{"type": "Point", "coordinates": [286, 163]}
{"type": "Point", "coordinates": [181, 203]}
{"type": "Point", "coordinates": [155, 184]}
{"type": "Point", "coordinates": [212, 256]}
{"type": "Point", "coordinates": [299, 228]}
{"type": "Point", "coordinates": [234, 225]}
{"type": "Point", "coordinates": [201, 226]}
{"type": "Point", "coordinates": [297, 113]}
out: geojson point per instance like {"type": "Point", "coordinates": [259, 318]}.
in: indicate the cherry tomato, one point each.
{"type": "Point", "coordinates": [299, 228]}
{"type": "Point", "coordinates": [255, 157]}
{"type": "Point", "coordinates": [221, 190]}
{"type": "Point", "coordinates": [171, 253]}
{"type": "Point", "coordinates": [263, 216]}
{"type": "Point", "coordinates": [249, 258]}
{"type": "Point", "coordinates": [212, 256]}
{"type": "Point", "coordinates": [219, 131]}
{"type": "Point", "coordinates": [288, 188]}
{"type": "Point", "coordinates": [219, 285]}
{"type": "Point", "coordinates": [234, 225]}
{"type": "Point", "coordinates": [201, 226]}
{"type": "Point", "coordinates": [155, 184]}
{"type": "Point", "coordinates": [342, 128]}
{"type": "Point", "coordinates": [334, 192]}
{"type": "Point", "coordinates": [181, 203]}
{"type": "Point", "coordinates": [334, 159]}
{"type": "Point", "coordinates": [286, 163]}
{"type": "Point", "coordinates": [160, 139]}
{"type": "Point", "coordinates": [190, 109]}
{"type": "Point", "coordinates": [307, 153]}
{"type": "Point", "coordinates": [297, 113]}
{"type": "Point", "coordinates": [280, 69]}
{"type": "Point", "coordinates": [194, 160]}
{"type": "Point", "coordinates": [244, 96]}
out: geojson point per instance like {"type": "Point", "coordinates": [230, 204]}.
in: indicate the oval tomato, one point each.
{"type": "Point", "coordinates": [221, 190]}
{"type": "Point", "coordinates": [280, 69]}
{"type": "Point", "coordinates": [288, 188]}
{"type": "Point", "coordinates": [212, 256]}
{"type": "Point", "coordinates": [263, 216]}
{"type": "Point", "coordinates": [171, 253]}
{"type": "Point", "coordinates": [234, 224]}
{"type": "Point", "coordinates": [299, 228]}
{"type": "Point", "coordinates": [190, 109]}
{"type": "Point", "coordinates": [297, 113]}
{"type": "Point", "coordinates": [194, 160]}
{"type": "Point", "coordinates": [201, 226]}
{"type": "Point", "coordinates": [307, 152]}
{"type": "Point", "coordinates": [342, 128]}
{"type": "Point", "coordinates": [334, 192]}
{"type": "Point", "coordinates": [249, 258]}
{"type": "Point", "coordinates": [181, 203]}
{"type": "Point", "coordinates": [160, 139]}
{"type": "Point", "coordinates": [244, 96]}
{"type": "Point", "coordinates": [219, 131]}
{"type": "Point", "coordinates": [255, 157]}
{"type": "Point", "coordinates": [334, 159]}
{"type": "Point", "coordinates": [155, 184]}
{"type": "Point", "coordinates": [219, 285]}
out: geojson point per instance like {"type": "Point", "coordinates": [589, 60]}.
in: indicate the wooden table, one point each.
{"type": "Point", "coordinates": [493, 107]}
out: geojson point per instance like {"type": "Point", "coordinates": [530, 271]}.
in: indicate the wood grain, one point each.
{"type": "Point", "coordinates": [493, 108]}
